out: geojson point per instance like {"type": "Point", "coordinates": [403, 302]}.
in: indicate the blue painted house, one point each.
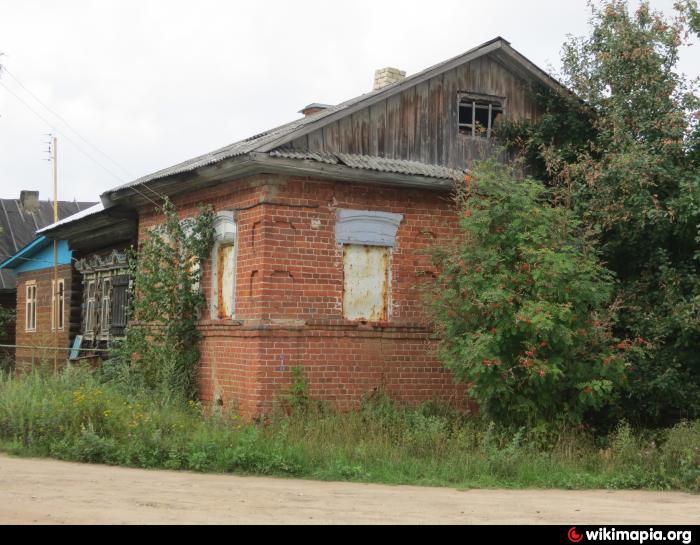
{"type": "Point", "coordinates": [20, 219]}
{"type": "Point", "coordinates": [48, 303]}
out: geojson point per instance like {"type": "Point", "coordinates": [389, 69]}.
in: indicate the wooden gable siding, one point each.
{"type": "Point", "coordinates": [420, 124]}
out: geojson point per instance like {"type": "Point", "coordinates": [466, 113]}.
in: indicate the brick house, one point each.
{"type": "Point", "coordinates": [23, 261]}
{"type": "Point", "coordinates": [322, 230]}
{"type": "Point", "coordinates": [44, 306]}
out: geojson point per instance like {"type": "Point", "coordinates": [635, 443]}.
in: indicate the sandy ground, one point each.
{"type": "Point", "coordinates": [47, 491]}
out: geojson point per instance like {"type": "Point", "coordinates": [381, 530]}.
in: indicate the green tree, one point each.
{"type": "Point", "coordinates": [523, 305]}
{"type": "Point", "coordinates": [161, 349]}
{"type": "Point", "coordinates": [634, 180]}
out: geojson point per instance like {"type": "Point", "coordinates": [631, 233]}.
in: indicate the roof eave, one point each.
{"type": "Point", "coordinates": [255, 163]}
{"type": "Point", "coordinates": [28, 250]}
{"type": "Point", "coordinates": [343, 173]}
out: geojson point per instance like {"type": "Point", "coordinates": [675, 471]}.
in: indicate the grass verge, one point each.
{"type": "Point", "coordinates": [74, 416]}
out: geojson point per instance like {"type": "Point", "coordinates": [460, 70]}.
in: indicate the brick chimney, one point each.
{"type": "Point", "coordinates": [387, 76]}
{"type": "Point", "coordinates": [29, 200]}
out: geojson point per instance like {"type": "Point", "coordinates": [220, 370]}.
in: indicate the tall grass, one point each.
{"type": "Point", "coordinates": [75, 416]}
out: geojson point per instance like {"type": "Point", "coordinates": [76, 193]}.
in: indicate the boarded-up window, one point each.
{"type": "Point", "coordinates": [366, 282]}
{"type": "Point", "coordinates": [368, 237]}
{"type": "Point", "coordinates": [226, 279]}
{"type": "Point", "coordinates": [120, 291]}
{"type": "Point", "coordinates": [224, 267]}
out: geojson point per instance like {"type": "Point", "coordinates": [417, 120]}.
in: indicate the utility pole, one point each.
{"type": "Point", "coordinates": [55, 255]}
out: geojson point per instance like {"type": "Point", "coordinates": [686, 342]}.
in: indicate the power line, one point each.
{"type": "Point", "coordinates": [60, 117]}
{"type": "Point", "coordinates": [117, 177]}
{"type": "Point", "coordinates": [63, 119]}
{"type": "Point", "coordinates": [108, 171]}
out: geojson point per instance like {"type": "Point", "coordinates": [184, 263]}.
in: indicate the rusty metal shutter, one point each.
{"type": "Point", "coordinates": [226, 279]}
{"type": "Point", "coordinates": [120, 295]}
{"type": "Point", "coordinates": [366, 283]}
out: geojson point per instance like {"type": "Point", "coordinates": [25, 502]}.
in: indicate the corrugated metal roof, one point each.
{"type": "Point", "coordinates": [328, 158]}
{"type": "Point", "coordinates": [399, 166]}
{"type": "Point", "coordinates": [95, 209]}
{"type": "Point", "coordinates": [18, 228]}
{"type": "Point", "coordinates": [278, 136]}
{"type": "Point", "coordinates": [233, 150]}
{"type": "Point", "coordinates": [378, 164]}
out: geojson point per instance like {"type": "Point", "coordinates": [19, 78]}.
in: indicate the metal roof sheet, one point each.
{"type": "Point", "coordinates": [18, 228]}
{"type": "Point", "coordinates": [95, 209]}
{"type": "Point", "coordinates": [370, 162]}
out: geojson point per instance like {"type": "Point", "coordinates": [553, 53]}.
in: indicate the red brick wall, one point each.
{"type": "Point", "coordinates": [43, 336]}
{"type": "Point", "coordinates": [289, 293]}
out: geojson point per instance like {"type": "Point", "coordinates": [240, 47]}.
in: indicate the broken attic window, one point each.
{"type": "Point", "coordinates": [479, 115]}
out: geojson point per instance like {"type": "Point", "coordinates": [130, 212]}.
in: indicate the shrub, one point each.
{"type": "Point", "coordinates": [680, 455]}
{"type": "Point", "coordinates": [622, 149]}
{"type": "Point", "coordinates": [522, 305]}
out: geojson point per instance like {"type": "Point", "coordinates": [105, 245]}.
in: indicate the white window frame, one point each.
{"type": "Point", "coordinates": [62, 304]}
{"type": "Point", "coordinates": [225, 234]}
{"type": "Point", "coordinates": [30, 306]}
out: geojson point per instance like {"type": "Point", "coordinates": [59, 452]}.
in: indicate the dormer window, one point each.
{"type": "Point", "coordinates": [478, 114]}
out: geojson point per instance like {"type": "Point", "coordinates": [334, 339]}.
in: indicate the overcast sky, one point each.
{"type": "Point", "coordinates": [152, 83]}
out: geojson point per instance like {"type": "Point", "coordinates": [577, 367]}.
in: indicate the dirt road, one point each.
{"type": "Point", "coordinates": [47, 491]}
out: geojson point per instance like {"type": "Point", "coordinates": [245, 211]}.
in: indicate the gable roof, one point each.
{"type": "Point", "coordinates": [273, 139]}
{"type": "Point", "coordinates": [273, 151]}
{"type": "Point", "coordinates": [18, 228]}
